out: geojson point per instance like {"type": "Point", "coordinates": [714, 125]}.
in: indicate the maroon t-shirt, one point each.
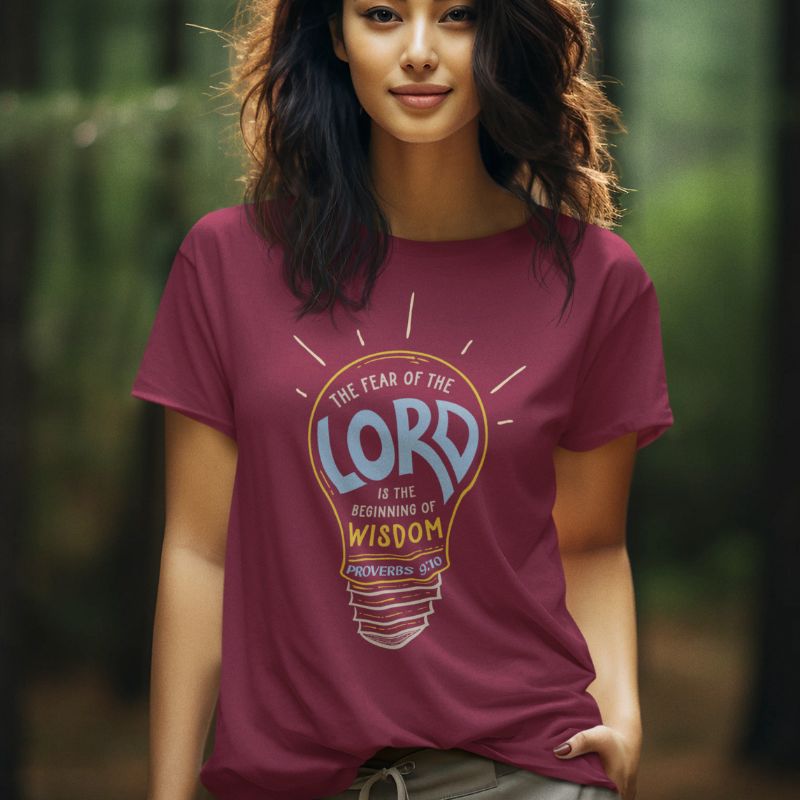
{"type": "Point", "coordinates": [392, 573]}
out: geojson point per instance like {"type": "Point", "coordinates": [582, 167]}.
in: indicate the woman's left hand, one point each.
{"type": "Point", "coordinates": [618, 750]}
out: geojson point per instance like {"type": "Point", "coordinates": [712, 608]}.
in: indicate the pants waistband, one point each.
{"type": "Point", "coordinates": [387, 756]}
{"type": "Point", "coordinates": [426, 769]}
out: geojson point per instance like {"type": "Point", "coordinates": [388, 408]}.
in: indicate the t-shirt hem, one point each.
{"type": "Point", "coordinates": [201, 416]}
{"type": "Point", "coordinates": [648, 431]}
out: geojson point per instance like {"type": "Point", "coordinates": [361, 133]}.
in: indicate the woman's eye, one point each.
{"type": "Point", "coordinates": [378, 11]}
{"type": "Point", "coordinates": [467, 12]}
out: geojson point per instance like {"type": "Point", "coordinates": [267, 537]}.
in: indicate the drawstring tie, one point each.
{"type": "Point", "coordinates": [383, 774]}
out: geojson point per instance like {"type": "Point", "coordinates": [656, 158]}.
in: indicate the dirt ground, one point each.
{"type": "Point", "coordinates": [695, 673]}
{"type": "Point", "coordinates": [84, 745]}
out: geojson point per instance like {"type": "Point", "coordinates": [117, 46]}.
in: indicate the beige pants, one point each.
{"type": "Point", "coordinates": [430, 774]}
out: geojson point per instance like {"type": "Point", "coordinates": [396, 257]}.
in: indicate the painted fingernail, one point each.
{"type": "Point", "coordinates": [562, 749]}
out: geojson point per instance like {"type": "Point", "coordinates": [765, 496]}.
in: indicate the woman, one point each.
{"type": "Point", "coordinates": [418, 507]}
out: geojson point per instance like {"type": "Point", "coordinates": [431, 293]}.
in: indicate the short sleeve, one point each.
{"type": "Point", "coordinates": [181, 366]}
{"type": "Point", "coordinates": [623, 388]}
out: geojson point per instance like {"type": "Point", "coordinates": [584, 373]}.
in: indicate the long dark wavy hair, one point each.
{"type": "Point", "coordinates": [543, 122]}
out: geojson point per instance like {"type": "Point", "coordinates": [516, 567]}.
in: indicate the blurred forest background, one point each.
{"type": "Point", "coordinates": [114, 140]}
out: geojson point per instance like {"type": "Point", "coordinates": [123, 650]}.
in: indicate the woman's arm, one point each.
{"type": "Point", "coordinates": [199, 472]}
{"type": "Point", "coordinates": [590, 511]}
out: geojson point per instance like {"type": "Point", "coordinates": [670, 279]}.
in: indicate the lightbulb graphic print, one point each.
{"type": "Point", "coordinates": [396, 440]}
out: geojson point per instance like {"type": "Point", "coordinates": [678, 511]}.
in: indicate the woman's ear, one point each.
{"type": "Point", "coordinates": [336, 37]}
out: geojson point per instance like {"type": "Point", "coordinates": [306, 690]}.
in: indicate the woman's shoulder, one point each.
{"type": "Point", "coordinates": [226, 245]}
{"type": "Point", "coordinates": [606, 258]}
{"type": "Point", "coordinates": [222, 227]}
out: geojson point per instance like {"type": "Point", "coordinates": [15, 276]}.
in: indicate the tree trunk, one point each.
{"type": "Point", "coordinates": [771, 730]}
{"type": "Point", "coordinates": [19, 184]}
{"type": "Point", "coordinates": [606, 19]}
{"type": "Point", "coordinates": [135, 555]}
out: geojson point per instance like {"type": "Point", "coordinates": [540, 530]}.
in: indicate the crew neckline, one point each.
{"type": "Point", "coordinates": [439, 248]}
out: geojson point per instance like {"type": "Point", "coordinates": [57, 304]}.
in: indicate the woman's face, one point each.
{"type": "Point", "coordinates": [392, 44]}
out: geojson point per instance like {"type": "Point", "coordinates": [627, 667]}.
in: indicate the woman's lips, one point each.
{"type": "Point", "coordinates": [421, 100]}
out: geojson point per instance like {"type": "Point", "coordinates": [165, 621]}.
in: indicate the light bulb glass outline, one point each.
{"type": "Point", "coordinates": [413, 356]}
